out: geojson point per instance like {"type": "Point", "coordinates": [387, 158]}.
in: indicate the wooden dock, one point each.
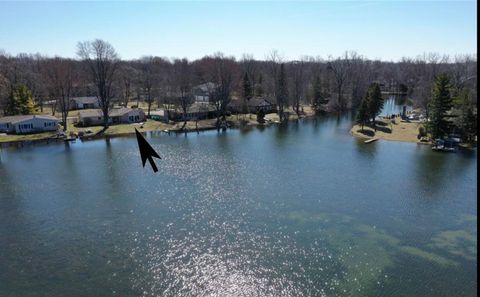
{"type": "Point", "coordinates": [371, 140]}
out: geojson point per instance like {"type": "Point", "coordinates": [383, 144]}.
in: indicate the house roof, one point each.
{"type": "Point", "coordinates": [21, 118]}
{"type": "Point", "coordinates": [206, 87]}
{"type": "Point", "coordinates": [115, 112]}
{"type": "Point", "coordinates": [90, 113]}
{"type": "Point", "coordinates": [256, 101]}
{"type": "Point", "coordinates": [160, 112]}
{"type": "Point", "coordinates": [197, 107]}
{"type": "Point", "coordinates": [85, 100]}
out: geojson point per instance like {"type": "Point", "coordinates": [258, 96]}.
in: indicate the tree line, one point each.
{"type": "Point", "coordinates": [333, 84]}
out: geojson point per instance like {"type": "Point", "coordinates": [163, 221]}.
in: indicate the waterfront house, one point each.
{"type": "Point", "coordinates": [123, 115]}
{"type": "Point", "coordinates": [196, 111]}
{"type": "Point", "coordinates": [90, 117]}
{"type": "Point", "coordinates": [254, 105]}
{"type": "Point", "coordinates": [159, 115]}
{"type": "Point", "coordinates": [24, 124]}
{"type": "Point", "coordinates": [84, 103]}
{"type": "Point", "coordinates": [203, 93]}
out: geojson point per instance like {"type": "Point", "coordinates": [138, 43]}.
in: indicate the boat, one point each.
{"type": "Point", "coordinates": [370, 140]}
{"type": "Point", "coordinates": [444, 145]}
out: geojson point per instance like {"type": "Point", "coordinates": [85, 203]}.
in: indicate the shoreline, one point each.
{"type": "Point", "coordinates": [233, 121]}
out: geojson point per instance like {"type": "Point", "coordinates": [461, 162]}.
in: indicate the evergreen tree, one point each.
{"type": "Point", "coordinates": [20, 101]}
{"type": "Point", "coordinates": [439, 105]}
{"type": "Point", "coordinates": [362, 114]}
{"type": "Point", "coordinates": [318, 99]}
{"type": "Point", "coordinates": [467, 119]}
{"type": "Point", "coordinates": [247, 88]}
{"type": "Point", "coordinates": [247, 92]}
{"type": "Point", "coordinates": [282, 93]}
{"type": "Point", "coordinates": [259, 86]}
{"type": "Point", "coordinates": [375, 102]}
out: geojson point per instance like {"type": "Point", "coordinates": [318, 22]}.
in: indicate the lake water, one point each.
{"type": "Point", "coordinates": [302, 210]}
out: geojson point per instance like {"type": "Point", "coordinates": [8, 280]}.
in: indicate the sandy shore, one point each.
{"type": "Point", "coordinates": [393, 130]}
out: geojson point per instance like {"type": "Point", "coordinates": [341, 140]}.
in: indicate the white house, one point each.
{"type": "Point", "coordinates": [84, 103]}
{"type": "Point", "coordinates": [127, 115]}
{"type": "Point", "coordinates": [23, 124]}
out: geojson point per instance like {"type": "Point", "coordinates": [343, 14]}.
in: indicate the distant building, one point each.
{"type": "Point", "coordinates": [159, 115]}
{"type": "Point", "coordinates": [203, 92]}
{"type": "Point", "coordinates": [84, 103]}
{"type": "Point", "coordinates": [24, 124]}
{"type": "Point", "coordinates": [196, 111]}
{"type": "Point", "coordinates": [254, 105]}
{"type": "Point", "coordinates": [121, 115]}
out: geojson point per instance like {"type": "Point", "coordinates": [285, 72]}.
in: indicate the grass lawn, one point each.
{"type": "Point", "coordinates": [26, 137]}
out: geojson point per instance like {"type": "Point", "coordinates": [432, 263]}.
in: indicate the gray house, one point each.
{"type": "Point", "coordinates": [24, 124]}
{"type": "Point", "coordinates": [84, 103]}
{"type": "Point", "coordinates": [121, 115]}
{"type": "Point", "coordinates": [202, 93]}
{"type": "Point", "coordinates": [196, 111]}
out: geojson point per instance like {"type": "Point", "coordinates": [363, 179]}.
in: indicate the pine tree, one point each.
{"type": "Point", "coordinates": [259, 86]}
{"type": "Point", "coordinates": [375, 102]}
{"type": "Point", "coordinates": [468, 119]}
{"type": "Point", "coordinates": [439, 105]}
{"type": "Point", "coordinates": [247, 87]}
{"type": "Point", "coordinates": [247, 92]}
{"type": "Point", "coordinates": [318, 99]}
{"type": "Point", "coordinates": [20, 101]}
{"type": "Point", "coordinates": [362, 114]}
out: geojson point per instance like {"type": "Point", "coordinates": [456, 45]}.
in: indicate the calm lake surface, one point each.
{"type": "Point", "coordinates": [302, 210]}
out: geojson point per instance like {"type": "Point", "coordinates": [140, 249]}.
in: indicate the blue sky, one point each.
{"type": "Point", "coordinates": [387, 30]}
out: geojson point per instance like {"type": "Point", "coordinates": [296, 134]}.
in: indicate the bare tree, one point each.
{"type": "Point", "coordinates": [299, 83]}
{"type": "Point", "coordinates": [60, 75]}
{"type": "Point", "coordinates": [274, 59]}
{"type": "Point", "coordinates": [340, 68]}
{"type": "Point", "coordinates": [149, 79]}
{"type": "Point", "coordinates": [127, 75]}
{"type": "Point", "coordinates": [222, 75]}
{"type": "Point", "coordinates": [182, 79]}
{"type": "Point", "coordinates": [102, 62]}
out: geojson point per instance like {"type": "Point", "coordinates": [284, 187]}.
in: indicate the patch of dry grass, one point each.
{"type": "Point", "coordinates": [388, 130]}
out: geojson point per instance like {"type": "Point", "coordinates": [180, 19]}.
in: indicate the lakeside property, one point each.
{"type": "Point", "coordinates": [145, 125]}
{"type": "Point", "coordinates": [390, 129]}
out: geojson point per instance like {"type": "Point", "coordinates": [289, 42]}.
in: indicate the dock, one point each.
{"type": "Point", "coordinates": [371, 140]}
